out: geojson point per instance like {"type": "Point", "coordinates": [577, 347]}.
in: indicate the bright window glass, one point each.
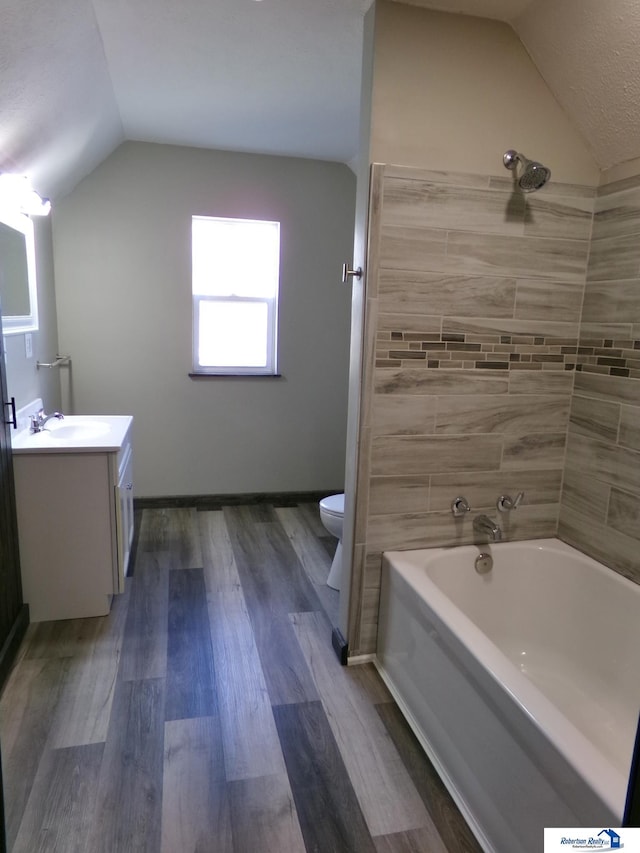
{"type": "Point", "coordinates": [235, 277]}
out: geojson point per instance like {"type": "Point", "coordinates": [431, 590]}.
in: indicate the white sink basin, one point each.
{"type": "Point", "coordinates": [79, 430]}
{"type": "Point", "coordinates": [84, 433]}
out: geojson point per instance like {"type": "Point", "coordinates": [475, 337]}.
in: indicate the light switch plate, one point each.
{"type": "Point", "coordinates": [28, 345]}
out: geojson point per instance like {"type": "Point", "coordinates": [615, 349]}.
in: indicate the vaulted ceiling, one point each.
{"type": "Point", "coordinates": [77, 77]}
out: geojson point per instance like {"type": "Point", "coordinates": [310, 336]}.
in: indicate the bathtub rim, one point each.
{"type": "Point", "coordinates": [577, 750]}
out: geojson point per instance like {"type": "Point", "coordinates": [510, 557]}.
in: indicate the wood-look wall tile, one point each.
{"type": "Point", "coordinates": [439, 382]}
{"type": "Point", "coordinates": [62, 803]}
{"type": "Point", "coordinates": [413, 454]}
{"type": "Point", "coordinates": [370, 243]}
{"type": "Point", "coordinates": [615, 465]}
{"type": "Point", "coordinates": [410, 203]}
{"type": "Point", "coordinates": [609, 188]}
{"type": "Point", "coordinates": [594, 418]}
{"type": "Point", "coordinates": [539, 486]}
{"type": "Point", "coordinates": [603, 543]}
{"type": "Point", "coordinates": [448, 826]}
{"type": "Point", "coordinates": [413, 248]}
{"type": "Point", "coordinates": [128, 815]}
{"type": "Point", "coordinates": [438, 294]}
{"type": "Point", "coordinates": [458, 179]}
{"type": "Point", "coordinates": [195, 799]}
{"type": "Point", "coordinates": [540, 382]}
{"type": "Point", "coordinates": [506, 326]}
{"type": "Point", "coordinates": [501, 413]}
{"type": "Point", "coordinates": [537, 521]}
{"type": "Point", "coordinates": [617, 214]}
{"type": "Point", "coordinates": [388, 798]}
{"type": "Point", "coordinates": [538, 299]}
{"type": "Point", "coordinates": [190, 681]}
{"type": "Point", "coordinates": [328, 810]}
{"type": "Point", "coordinates": [527, 257]}
{"type": "Point", "coordinates": [361, 509]}
{"type": "Point", "coordinates": [398, 494]}
{"type": "Point", "coordinates": [624, 512]}
{"type": "Point", "coordinates": [600, 330]}
{"type": "Point", "coordinates": [630, 427]}
{"type": "Point", "coordinates": [369, 359]}
{"type": "Point", "coordinates": [312, 555]}
{"type": "Point", "coordinates": [405, 531]}
{"type": "Point", "coordinates": [427, 324]}
{"type": "Point", "coordinates": [553, 216]}
{"type": "Point", "coordinates": [264, 815]}
{"type": "Point", "coordinates": [369, 628]}
{"type": "Point", "coordinates": [554, 188]}
{"type": "Point", "coordinates": [612, 301]}
{"type": "Point", "coordinates": [541, 449]}
{"type": "Point", "coordinates": [614, 389]}
{"type": "Point", "coordinates": [354, 638]}
{"type": "Point", "coordinates": [144, 652]}
{"type": "Point", "coordinates": [584, 494]}
{"type": "Point", "coordinates": [402, 414]}
{"type": "Point", "coordinates": [614, 258]}
{"type": "Point", "coordinates": [368, 638]}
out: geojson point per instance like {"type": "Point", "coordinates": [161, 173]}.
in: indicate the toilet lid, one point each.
{"type": "Point", "coordinates": [333, 504]}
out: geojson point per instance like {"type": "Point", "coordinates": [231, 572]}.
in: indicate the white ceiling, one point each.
{"type": "Point", "coordinates": [77, 77]}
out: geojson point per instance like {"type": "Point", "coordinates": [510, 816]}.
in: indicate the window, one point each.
{"type": "Point", "coordinates": [235, 276]}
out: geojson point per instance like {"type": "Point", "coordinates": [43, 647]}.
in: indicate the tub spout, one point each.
{"type": "Point", "coordinates": [483, 524]}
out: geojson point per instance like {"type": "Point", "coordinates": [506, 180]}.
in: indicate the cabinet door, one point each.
{"type": "Point", "coordinates": [125, 528]}
{"type": "Point", "coordinates": [10, 582]}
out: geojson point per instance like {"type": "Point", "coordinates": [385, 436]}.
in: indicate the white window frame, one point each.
{"type": "Point", "coordinates": [271, 302]}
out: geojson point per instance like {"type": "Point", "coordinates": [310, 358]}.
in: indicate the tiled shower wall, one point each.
{"type": "Point", "coordinates": [600, 511]}
{"type": "Point", "coordinates": [474, 295]}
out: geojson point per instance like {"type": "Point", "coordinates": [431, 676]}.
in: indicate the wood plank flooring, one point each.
{"type": "Point", "coordinates": [208, 711]}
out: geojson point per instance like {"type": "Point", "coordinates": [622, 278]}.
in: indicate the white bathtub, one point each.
{"type": "Point", "coordinates": [522, 684]}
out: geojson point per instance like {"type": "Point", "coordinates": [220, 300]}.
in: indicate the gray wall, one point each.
{"type": "Point", "coordinates": [122, 266]}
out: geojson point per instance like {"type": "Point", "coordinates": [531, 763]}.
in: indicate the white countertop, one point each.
{"type": "Point", "coordinates": [74, 434]}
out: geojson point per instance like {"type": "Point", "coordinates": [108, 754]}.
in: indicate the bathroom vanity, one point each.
{"type": "Point", "coordinates": [74, 496]}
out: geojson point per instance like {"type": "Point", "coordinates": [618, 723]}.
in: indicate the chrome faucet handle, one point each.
{"type": "Point", "coordinates": [506, 502]}
{"type": "Point", "coordinates": [36, 420]}
{"type": "Point", "coordinates": [460, 507]}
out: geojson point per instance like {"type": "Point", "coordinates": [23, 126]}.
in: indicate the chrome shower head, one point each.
{"type": "Point", "coordinates": [533, 175]}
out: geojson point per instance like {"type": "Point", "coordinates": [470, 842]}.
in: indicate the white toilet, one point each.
{"type": "Point", "coordinates": [332, 516]}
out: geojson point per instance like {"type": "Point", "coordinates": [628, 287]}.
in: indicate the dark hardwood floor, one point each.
{"type": "Point", "coordinates": [208, 711]}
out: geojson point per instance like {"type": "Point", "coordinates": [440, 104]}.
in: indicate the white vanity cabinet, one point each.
{"type": "Point", "coordinates": [75, 520]}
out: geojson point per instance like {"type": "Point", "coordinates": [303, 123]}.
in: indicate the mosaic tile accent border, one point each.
{"type": "Point", "coordinates": [401, 348]}
{"type": "Point", "coordinates": [609, 356]}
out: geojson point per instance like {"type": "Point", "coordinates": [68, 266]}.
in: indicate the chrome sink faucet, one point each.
{"type": "Point", "coordinates": [39, 419]}
{"type": "Point", "coordinates": [483, 524]}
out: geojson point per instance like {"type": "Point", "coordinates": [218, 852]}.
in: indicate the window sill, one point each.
{"type": "Point", "coordinates": [204, 375]}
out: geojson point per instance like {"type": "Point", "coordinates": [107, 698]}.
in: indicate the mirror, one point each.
{"type": "Point", "coordinates": [18, 294]}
